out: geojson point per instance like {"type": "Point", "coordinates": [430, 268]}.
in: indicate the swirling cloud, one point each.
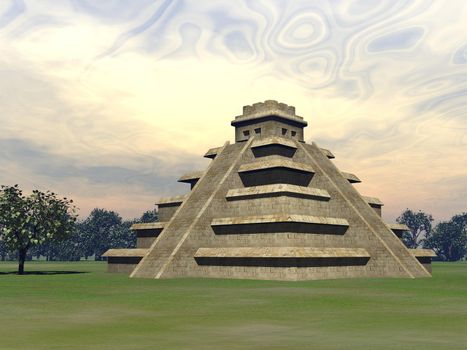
{"type": "Point", "coordinates": [400, 40]}
{"type": "Point", "coordinates": [109, 101]}
{"type": "Point", "coordinates": [460, 55]}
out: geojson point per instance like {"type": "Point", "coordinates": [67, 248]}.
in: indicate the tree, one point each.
{"type": "Point", "coordinates": [96, 230]}
{"type": "Point", "coordinates": [419, 224]}
{"type": "Point", "coordinates": [122, 236]}
{"type": "Point", "coordinates": [3, 251]}
{"type": "Point", "coordinates": [27, 221]}
{"type": "Point", "coordinates": [69, 249]}
{"type": "Point", "coordinates": [149, 216]}
{"type": "Point", "coordinates": [449, 239]}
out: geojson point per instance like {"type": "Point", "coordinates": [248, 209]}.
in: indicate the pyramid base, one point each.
{"type": "Point", "coordinates": [287, 274]}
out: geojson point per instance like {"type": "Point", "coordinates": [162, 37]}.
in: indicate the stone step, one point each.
{"type": "Point", "coordinates": [327, 153]}
{"type": "Point", "coordinates": [125, 253]}
{"type": "Point", "coordinates": [212, 152]}
{"type": "Point", "coordinates": [192, 177]}
{"type": "Point", "coordinates": [279, 223]}
{"type": "Point", "coordinates": [373, 201]}
{"type": "Point", "coordinates": [275, 162]}
{"type": "Point", "coordinates": [273, 145]}
{"type": "Point", "coordinates": [146, 233]}
{"type": "Point", "coordinates": [273, 140]}
{"type": "Point", "coordinates": [277, 190]}
{"type": "Point", "coordinates": [279, 257]}
{"type": "Point", "coordinates": [282, 252]}
{"type": "Point", "coordinates": [423, 253]}
{"type": "Point", "coordinates": [152, 229]}
{"type": "Point", "coordinates": [123, 260]}
{"type": "Point", "coordinates": [171, 201]}
{"type": "Point", "coordinates": [167, 206]}
{"type": "Point", "coordinates": [275, 170]}
{"type": "Point", "coordinates": [398, 229]}
{"type": "Point", "coordinates": [352, 178]}
{"type": "Point", "coordinates": [424, 257]}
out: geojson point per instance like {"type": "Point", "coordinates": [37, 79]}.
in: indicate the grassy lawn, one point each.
{"type": "Point", "coordinates": [95, 310]}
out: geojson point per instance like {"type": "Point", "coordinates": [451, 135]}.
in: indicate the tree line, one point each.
{"type": "Point", "coordinates": [90, 238]}
{"type": "Point", "coordinates": [448, 239]}
{"type": "Point", "coordinates": [43, 225]}
{"type": "Point", "coordinates": [101, 230]}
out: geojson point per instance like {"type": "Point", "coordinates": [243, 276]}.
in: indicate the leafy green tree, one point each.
{"type": "Point", "coordinates": [97, 230]}
{"type": "Point", "coordinates": [47, 249]}
{"type": "Point", "coordinates": [122, 236]}
{"type": "Point", "coordinates": [449, 239]}
{"type": "Point", "coordinates": [149, 216]}
{"type": "Point", "coordinates": [66, 250]}
{"type": "Point", "coordinates": [28, 221]}
{"type": "Point", "coordinates": [100, 231]}
{"type": "Point", "coordinates": [419, 224]}
{"type": "Point", "coordinates": [87, 239]}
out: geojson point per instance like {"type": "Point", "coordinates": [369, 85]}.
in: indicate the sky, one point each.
{"type": "Point", "coordinates": [109, 102]}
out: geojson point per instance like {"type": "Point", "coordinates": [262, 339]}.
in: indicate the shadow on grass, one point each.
{"type": "Point", "coordinates": [45, 273]}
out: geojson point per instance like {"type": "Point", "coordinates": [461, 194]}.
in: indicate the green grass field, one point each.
{"type": "Point", "coordinates": [60, 309]}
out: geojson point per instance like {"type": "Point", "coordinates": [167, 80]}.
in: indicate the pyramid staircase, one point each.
{"type": "Point", "coordinates": [270, 206]}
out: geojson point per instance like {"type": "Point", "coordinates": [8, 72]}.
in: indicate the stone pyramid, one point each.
{"type": "Point", "coordinates": [270, 206]}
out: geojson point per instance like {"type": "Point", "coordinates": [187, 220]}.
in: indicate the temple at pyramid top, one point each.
{"type": "Point", "coordinates": [268, 118]}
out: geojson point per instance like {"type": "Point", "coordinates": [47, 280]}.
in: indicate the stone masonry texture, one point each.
{"type": "Point", "coordinates": [270, 206]}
